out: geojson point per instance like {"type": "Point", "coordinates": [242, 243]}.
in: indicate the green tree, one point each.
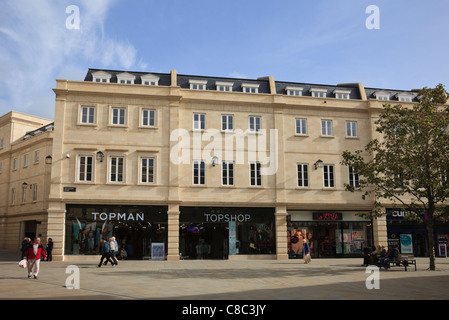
{"type": "Point", "coordinates": [408, 166]}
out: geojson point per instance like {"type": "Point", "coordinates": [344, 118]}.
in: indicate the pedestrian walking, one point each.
{"type": "Point", "coordinates": [33, 254]}
{"type": "Point", "coordinates": [49, 249]}
{"type": "Point", "coordinates": [106, 254]}
{"type": "Point", "coordinates": [25, 243]}
{"type": "Point", "coordinates": [306, 252]}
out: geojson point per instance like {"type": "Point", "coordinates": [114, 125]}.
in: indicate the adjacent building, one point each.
{"type": "Point", "coordinates": [192, 167]}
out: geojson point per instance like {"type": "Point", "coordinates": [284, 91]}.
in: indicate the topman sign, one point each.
{"type": "Point", "coordinates": [118, 216]}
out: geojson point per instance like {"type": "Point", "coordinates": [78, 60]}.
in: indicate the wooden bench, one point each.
{"type": "Point", "coordinates": [402, 261]}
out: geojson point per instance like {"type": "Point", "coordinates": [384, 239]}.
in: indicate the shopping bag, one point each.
{"type": "Point", "coordinates": [23, 263]}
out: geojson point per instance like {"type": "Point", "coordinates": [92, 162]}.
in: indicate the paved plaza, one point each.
{"type": "Point", "coordinates": [329, 279]}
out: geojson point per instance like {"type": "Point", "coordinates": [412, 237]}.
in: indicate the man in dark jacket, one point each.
{"type": "Point", "coordinates": [106, 254]}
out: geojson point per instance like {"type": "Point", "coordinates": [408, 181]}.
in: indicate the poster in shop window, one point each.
{"type": "Point", "coordinates": [406, 243]}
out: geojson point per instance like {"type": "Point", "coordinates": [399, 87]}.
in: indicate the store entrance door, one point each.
{"type": "Point", "coordinates": [204, 241]}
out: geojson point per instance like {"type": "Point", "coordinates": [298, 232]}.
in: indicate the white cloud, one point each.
{"type": "Point", "coordinates": [37, 47]}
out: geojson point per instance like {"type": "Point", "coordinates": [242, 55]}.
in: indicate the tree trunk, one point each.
{"type": "Point", "coordinates": [431, 241]}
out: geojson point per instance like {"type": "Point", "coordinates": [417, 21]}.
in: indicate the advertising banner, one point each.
{"type": "Point", "coordinates": [406, 243]}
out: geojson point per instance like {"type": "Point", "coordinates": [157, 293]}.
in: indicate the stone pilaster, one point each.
{"type": "Point", "coordinates": [281, 232]}
{"type": "Point", "coordinates": [173, 233]}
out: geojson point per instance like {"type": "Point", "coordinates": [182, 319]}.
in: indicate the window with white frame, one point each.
{"type": "Point", "coordinates": [405, 97]}
{"type": "Point", "coordinates": [117, 167]}
{"type": "Point", "coordinates": [303, 175]}
{"type": "Point", "coordinates": [224, 86]}
{"type": "Point", "coordinates": [148, 118]}
{"type": "Point", "coordinates": [382, 95]}
{"type": "Point", "coordinates": [351, 129]}
{"type": "Point", "coordinates": [326, 128]}
{"type": "Point", "coordinates": [199, 172]}
{"type": "Point", "coordinates": [255, 123]}
{"type": "Point", "coordinates": [125, 78]}
{"type": "Point", "coordinates": [342, 94]}
{"type": "Point", "coordinates": [85, 168]}
{"type": "Point", "coordinates": [294, 91]}
{"type": "Point", "coordinates": [87, 115]}
{"type": "Point", "coordinates": [227, 122]}
{"type": "Point", "coordinates": [36, 156]}
{"type": "Point", "coordinates": [318, 92]}
{"type": "Point", "coordinates": [2, 143]}
{"type": "Point", "coordinates": [255, 169]}
{"type": "Point", "coordinates": [301, 126]}
{"type": "Point", "coordinates": [353, 178]}
{"type": "Point", "coordinates": [227, 173]}
{"type": "Point", "coordinates": [24, 193]}
{"type": "Point", "coordinates": [1, 166]}
{"type": "Point", "coordinates": [150, 80]}
{"type": "Point", "coordinates": [199, 121]}
{"type": "Point", "coordinates": [329, 176]}
{"type": "Point", "coordinates": [197, 84]}
{"type": "Point", "coordinates": [15, 164]}
{"type": "Point", "coordinates": [101, 76]}
{"type": "Point", "coordinates": [147, 172]}
{"type": "Point", "coordinates": [250, 87]}
{"type": "Point", "coordinates": [25, 160]}
{"type": "Point", "coordinates": [118, 116]}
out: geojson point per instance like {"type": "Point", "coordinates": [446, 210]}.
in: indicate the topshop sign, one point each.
{"type": "Point", "coordinates": [211, 217]}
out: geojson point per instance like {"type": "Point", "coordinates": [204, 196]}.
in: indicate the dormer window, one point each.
{"type": "Point", "coordinates": [197, 84]}
{"type": "Point", "coordinates": [125, 78]}
{"type": "Point", "coordinates": [224, 86]}
{"type": "Point", "coordinates": [294, 91]}
{"type": "Point", "coordinates": [101, 76]}
{"type": "Point", "coordinates": [318, 92]}
{"type": "Point", "coordinates": [342, 94]}
{"type": "Point", "coordinates": [382, 95]}
{"type": "Point", "coordinates": [250, 87]}
{"type": "Point", "coordinates": [150, 80]}
{"type": "Point", "coordinates": [405, 96]}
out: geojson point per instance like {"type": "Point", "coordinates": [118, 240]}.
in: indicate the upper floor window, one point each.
{"type": "Point", "coordinates": [250, 87]}
{"type": "Point", "coordinates": [85, 168]}
{"type": "Point", "coordinates": [351, 129]}
{"type": "Point", "coordinates": [199, 121]}
{"type": "Point", "coordinates": [294, 91]}
{"type": "Point", "coordinates": [36, 156]}
{"type": "Point", "coordinates": [354, 180]}
{"type": "Point", "coordinates": [227, 122]}
{"type": "Point", "coordinates": [224, 86]}
{"type": "Point", "coordinates": [25, 160]}
{"type": "Point", "coordinates": [342, 94]}
{"type": "Point", "coordinates": [228, 173]}
{"type": "Point", "coordinates": [197, 84]}
{"type": "Point", "coordinates": [318, 92]}
{"type": "Point", "coordinates": [101, 76]}
{"type": "Point", "coordinates": [405, 96]}
{"type": "Point", "coordinates": [125, 78]}
{"type": "Point", "coordinates": [255, 169]}
{"type": "Point", "coordinates": [199, 172]}
{"type": "Point", "coordinates": [303, 175]}
{"type": "Point", "coordinates": [301, 126]}
{"type": "Point", "coordinates": [118, 116]}
{"type": "Point", "coordinates": [326, 127]}
{"type": "Point", "coordinates": [147, 172]}
{"type": "Point", "coordinates": [382, 95]}
{"type": "Point", "coordinates": [2, 142]}
{"type": "Point", "coordinates": [329, 176]}
{"type": "Point", "coordinates": [87, 115]}
{"type": "Point", "coordinates": [254, 124]}
{"type": "Point", "coordinates": [150, 80]}
{"type": "Point", "coordinates": [148, 118]}
{"type": "Point", "coordinates": [117, 169]}
{"type": "Point", "coordinates": [15, 164]}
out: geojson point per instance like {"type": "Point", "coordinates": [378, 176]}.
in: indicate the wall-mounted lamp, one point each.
{"type": "Point", "coordinates": [24, 185]}
{"type": "Point", "coordinates": [318, 164]}
{"type": "Point", "coordinates": [214, 161]}
{"type": "Point", "coordinates": [100, 156]}
{"type": "Point", "coordinates": [48, 159]}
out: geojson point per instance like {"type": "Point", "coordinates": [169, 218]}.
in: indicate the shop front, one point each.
{"type": "Point", "coordinates": [138, 230]}
{"type": "Point", "coordinates": [330, 234]}
{"type": "Point", "coordinates": [411, 236]}
{"type": "Point", "coordinates": [218, 232]}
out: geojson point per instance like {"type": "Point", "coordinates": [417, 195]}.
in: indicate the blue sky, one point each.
{"type": "Point", "coordinates": [320, 41]}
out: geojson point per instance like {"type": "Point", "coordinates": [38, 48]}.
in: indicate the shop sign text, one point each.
{"type": "Point", "coordinates": [227, 217]}
{"type": "Point", "coordinates": [327, 216]}
{"type": "Point", "coordinates": [118, 216]}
